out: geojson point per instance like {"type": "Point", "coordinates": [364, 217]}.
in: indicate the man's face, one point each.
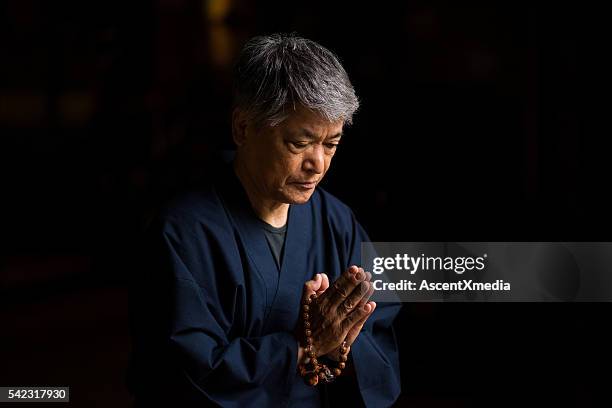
{"type": "Point", "coordinates": [286, 162]}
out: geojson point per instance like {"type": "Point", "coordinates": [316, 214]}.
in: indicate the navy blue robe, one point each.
{"type": "Point", "coordinates": [212, 315]}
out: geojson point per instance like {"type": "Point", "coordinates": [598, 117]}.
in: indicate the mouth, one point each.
{"type": "Point", "coordinates": [306, 185]}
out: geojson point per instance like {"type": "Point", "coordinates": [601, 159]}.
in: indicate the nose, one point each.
{"type": "Point", "coordinates": [314, 160]}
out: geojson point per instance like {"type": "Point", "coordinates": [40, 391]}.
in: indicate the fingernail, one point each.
{"type": "Point", "coordinates": [359, 275]}
{"type": "Point", "coordinates": [367, 308]}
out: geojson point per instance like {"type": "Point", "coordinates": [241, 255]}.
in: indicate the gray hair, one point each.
{"type": "Point", "coordinates": [277, 72]}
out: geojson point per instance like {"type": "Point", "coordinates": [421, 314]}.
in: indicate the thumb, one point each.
{"type": "Point", "coordinates": [311, 286]}
{"type": "Point", "coordinates": [324, 284]}
{"type": "Point", "coordinates": [316, 282]}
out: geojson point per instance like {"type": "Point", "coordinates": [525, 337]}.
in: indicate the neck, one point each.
{"type": "Point", "coordinates": [271, 211]}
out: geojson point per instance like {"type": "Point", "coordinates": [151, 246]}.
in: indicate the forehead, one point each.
{"type": "Point", "coordinates": [309, 123]}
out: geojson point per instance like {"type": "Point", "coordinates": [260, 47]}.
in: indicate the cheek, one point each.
{"type": "Point", "coordinates": [293, 166]}
{"type": "Point", "coordinates": [328, 160]}
{"type": "Point", "coordinates": [280, 172]}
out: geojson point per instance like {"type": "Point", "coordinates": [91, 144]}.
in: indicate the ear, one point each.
{"type": "Point", "coordinates": [239, 127]}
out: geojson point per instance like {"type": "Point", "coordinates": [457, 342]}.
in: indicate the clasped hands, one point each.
{"type": "Point", "coordinates": [339, 312]}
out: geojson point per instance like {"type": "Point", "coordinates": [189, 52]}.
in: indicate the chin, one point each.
{"type": "Point", "coordinates": [299, 198]}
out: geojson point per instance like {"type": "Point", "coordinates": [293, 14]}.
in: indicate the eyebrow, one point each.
{"type": "Point", "coordinates": [312, 136]}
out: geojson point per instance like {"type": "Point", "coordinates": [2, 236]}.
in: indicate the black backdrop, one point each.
{"type": "Point", "coordinates": [472, 127]}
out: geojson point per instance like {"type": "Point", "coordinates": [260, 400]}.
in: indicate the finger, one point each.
{"type": "Point", "coordinates": [366, 298]}
{"type": "Point", "coordinates": [318, 280]}
{"type": "Point", "coordinates": [356, 329]}
{"type": "Point", "coordinates": [363, 301]}
{"type": "Point", "coordinates": [344, 285]}
{"type": "Point", "coordinates": [324, 284]}
{"type": "Point", "coordinates": [355, 298]}
{"type": "Point", "coordinates": [311, 287]}
{"type": "Point", "coordinates": [365, 274]}
{"type": "Point", "coordinates": [357, 315]}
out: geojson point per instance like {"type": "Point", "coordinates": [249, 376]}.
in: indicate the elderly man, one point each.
{"type": "Point", "coordinates": [250, 295]}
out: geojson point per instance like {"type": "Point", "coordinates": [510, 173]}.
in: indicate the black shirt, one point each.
{"type": "Point", "coordinates": [276, 240]}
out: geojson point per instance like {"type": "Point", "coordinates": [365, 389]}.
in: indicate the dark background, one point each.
{"type": "Point", "coordinates": [472, 127]}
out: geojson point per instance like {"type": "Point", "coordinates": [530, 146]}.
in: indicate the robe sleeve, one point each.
{"type": "Point", "coordinates": [184, 349]}
{"type": "Point", "coordinates": [375, 354]}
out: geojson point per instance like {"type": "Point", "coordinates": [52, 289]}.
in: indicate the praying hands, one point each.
{"type": "Point", "coordinates": [339, 312]}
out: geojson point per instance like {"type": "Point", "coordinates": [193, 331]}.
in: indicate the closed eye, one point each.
{"type": "Point", "coordinates": [299, 145]}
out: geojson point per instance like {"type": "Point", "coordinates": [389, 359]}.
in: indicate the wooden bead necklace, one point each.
{"type": "Point", "coordinates": [313, 371]}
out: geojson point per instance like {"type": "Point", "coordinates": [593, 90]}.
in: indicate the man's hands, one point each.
{"type": "Point", "coordinates": [340, 310]}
